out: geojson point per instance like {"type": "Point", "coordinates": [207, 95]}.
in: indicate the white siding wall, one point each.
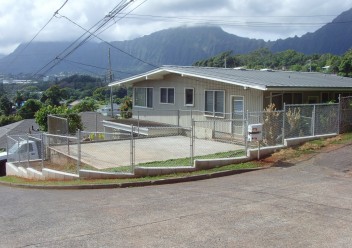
{"type": "Point", "coordinates": [179, 114]}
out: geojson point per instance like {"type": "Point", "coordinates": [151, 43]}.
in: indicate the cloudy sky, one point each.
{"type": "Point", "coordinates": [21, 20]}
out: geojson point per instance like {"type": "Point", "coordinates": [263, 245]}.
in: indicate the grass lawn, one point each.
{"type": "Point", "coordinates": [179, 162]}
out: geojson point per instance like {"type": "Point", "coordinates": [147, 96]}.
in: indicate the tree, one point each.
{"type": "Point", "coordinates": [345, 67]}
{"type": "Point", "coordinates": [74, 120]}
{"type": "Point", "coordinates": [126, 107]}
{"type": "Point", "coordinates": [5, 105]}
{"type": "Point", "coordinates": [5, 120]}
{"type": "Point", "coordinates": [31, 92]}
{"type": "Point", "coordinates": [29, 108]}
{"type": "Point", "coordinates": [52, 96]}
{"type": "Point", "coordinates": [102, 93]}
{"type": "Point", "coordinates": [88, 104]}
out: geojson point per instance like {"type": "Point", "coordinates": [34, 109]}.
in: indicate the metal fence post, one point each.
{"type": "Point", "coordinates": [283, 124]}
{"type": "Point", "coordinates": [28, 155]}
{"type": "Point", "coordinates": [246, 133]}
{"type": "Point", "coordinates": [339, 122]}
{"type": "Point", "coordinates": [96, 121]}
{"type": "Point", "coordinates": [68, 145]}
{"type": "Point", "coordinates": [42, 149]}
{"type": "Point", "coordinates": [178, 122]}
{"type": "Point", "coordinates": [78, 150]}
{"type": "Point", "coordinates": [132, 153]}
{"type": "Point", "coordinates": [138, 121]}
{"type": "Point", "coordinates": [313, 121]}
{"type": "Point", "coordinates": [192, 142]}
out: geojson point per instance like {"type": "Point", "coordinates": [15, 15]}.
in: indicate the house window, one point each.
{"type": "Point", "coordinates": [143, 97]}
{"type": "Point", "coordinates": [215, 103]}
{"type": "Point", "coordinates": [189, 97]}
{"type": "Point", "coordinates": [167, 95]}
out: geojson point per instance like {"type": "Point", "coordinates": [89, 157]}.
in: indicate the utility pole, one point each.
{"type": "Point", "coordinates": [225, 61]}
{"type": "Point", "coordinates": [110, 81]}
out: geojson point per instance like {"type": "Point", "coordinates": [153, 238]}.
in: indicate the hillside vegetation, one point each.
{"type": "Point", "coordinates": [287, 60]}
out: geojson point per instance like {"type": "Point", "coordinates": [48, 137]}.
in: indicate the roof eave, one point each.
{"type": "Point", "coordinates": [278, 88]}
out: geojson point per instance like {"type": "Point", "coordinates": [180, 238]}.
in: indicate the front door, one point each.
{"type": "Point", "coordinates": [237, 115]}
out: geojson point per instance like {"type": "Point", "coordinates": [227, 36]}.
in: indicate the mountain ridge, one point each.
{"type": "Point", "coordinates": [177, 46]}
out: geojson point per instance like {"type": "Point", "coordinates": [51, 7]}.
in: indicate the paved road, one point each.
{"type": "Point", "coordinates": [306, 205]}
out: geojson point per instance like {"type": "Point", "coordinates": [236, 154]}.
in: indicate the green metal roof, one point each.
{"type": "Point", "coordinates": [262, 80]}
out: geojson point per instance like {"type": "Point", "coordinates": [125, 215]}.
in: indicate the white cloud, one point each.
{"type": "Point", "coordinates": [22, 19]}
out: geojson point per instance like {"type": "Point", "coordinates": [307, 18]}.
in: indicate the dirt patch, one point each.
{"type": "Point", "coordinates": [70, 168]}
{"type": "Point", "coordinates": [289, 156]}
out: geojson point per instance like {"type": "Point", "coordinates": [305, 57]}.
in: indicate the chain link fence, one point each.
{"type": "Point", "coordinates": [311, 120]}
{"type": "Point", "coordinates": [272, 121]}
{"type": "Point", "coordinates": [345, 114]}
{"type": "Point", "coordinates": [24, 149]}
{"type": "Point", "coordinates": [217, 139]}
{"type": "Point", "coordinates": [173, 143]}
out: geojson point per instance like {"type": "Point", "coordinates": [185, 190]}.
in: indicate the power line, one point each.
{"type": "Point", "coordinates": [124, 15]}
{"type": "Point", "coordinates": [226, 22]}
{"type": "Point", "coordinates": [88, 33]}
{"type": "Point", "coordinates": [36, 35]}
{"type": "Point", "coordinates": [111, 45]}
{"type": "Point", "coordinates": [94, 66]}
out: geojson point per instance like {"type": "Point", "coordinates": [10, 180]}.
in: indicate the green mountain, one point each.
{"type": "Point", "coordinates": [334, 37]}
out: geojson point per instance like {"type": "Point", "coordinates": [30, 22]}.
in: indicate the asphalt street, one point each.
{"type": "Point", "coordinates": [304, 205]}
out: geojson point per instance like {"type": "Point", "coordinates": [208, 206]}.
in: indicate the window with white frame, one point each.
{"type": "Point", "coordinates": [143, 97]}
{"type": "Point", "coordinates": [167, 95]}
{"type": "Point", "coordinates": [189, 97]}
{"type": "Point", "coordinates": [215, 103]}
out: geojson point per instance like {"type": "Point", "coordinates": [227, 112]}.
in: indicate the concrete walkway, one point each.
{"type": "Point", "coordinates": [303, 205]}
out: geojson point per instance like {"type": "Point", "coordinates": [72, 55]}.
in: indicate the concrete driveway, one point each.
{"type": "Point", "coordinates": [102, 155]}
{"type": "Point", "coordinates": [306, 205]}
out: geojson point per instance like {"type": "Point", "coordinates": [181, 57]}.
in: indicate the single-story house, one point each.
{"type": "Point", "coordinates": [219, 93]}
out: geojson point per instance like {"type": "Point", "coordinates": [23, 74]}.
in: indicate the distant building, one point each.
{"type": "Point", "coordinates": [106, 110]}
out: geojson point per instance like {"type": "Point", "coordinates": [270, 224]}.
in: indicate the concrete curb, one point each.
{"type": "Point", "coordinates": [134, 184]}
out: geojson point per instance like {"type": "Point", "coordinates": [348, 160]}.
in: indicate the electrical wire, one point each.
{"type": "Point", "coordinates": [223, 22]}
{"type": "Point", "coordinates": [94, 66]}
{"type": "Point", "coordinates": [111, 45]}
{"type": "Point", "coordinates": [85, 36]}
{"type": "Point", "coordinates": [36, 35]}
